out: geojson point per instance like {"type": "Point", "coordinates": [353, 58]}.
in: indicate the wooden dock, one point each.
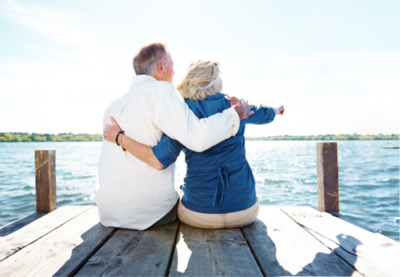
{"type": "Point", "coordinates": [283, 241]}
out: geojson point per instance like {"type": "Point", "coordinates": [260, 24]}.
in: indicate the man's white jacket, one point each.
{"type": "Point", "coordinates": [129, 193]}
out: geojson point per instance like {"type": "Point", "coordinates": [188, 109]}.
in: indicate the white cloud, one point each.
{"type": "Point", "coordinates": [62, 26]}
{"type": "Point", "coordinates": [69, 90]}
{"type": "Point", "coordinates": [332, 93]}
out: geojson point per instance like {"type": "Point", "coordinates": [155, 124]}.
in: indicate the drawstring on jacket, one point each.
{"type": "Point", "coordinates": [222, 172]}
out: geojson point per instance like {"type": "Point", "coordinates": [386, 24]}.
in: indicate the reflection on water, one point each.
{"type": "Point", "coordinates": [285, 172]}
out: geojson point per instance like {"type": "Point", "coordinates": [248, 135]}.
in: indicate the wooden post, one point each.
{"type": "Point", "coordinates": [328, 177]}
{"type": "Point", "coordinates": [45, 177]}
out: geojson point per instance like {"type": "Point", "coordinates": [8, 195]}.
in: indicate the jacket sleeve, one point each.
{"type": "Point", "coordinates": [175, 119]}
{"type": "Point", "coordinates": [167, 150]}
{"type": "Point", "coordinates": [262, 115]}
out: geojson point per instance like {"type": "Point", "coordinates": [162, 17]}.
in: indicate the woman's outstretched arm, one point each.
{"type": "Point", "coordinates": [138, 150]}
{"type": "Point", "coordinates": [262, 114]}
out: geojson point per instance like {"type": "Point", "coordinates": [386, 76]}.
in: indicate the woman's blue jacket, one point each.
{"type": "Point", "coordinates": [218, 180]}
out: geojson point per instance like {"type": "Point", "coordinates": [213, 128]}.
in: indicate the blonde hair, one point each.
{"type": "Point", "coordinates": [200, 80]}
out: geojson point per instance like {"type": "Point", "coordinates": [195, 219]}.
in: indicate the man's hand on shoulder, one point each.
{"type": "Point", "coordinates": [241, 106]}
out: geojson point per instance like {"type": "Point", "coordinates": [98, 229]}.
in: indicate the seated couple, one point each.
{"type": "Point", "coordinates": [136, 168]}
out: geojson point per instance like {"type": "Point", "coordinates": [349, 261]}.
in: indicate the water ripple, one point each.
{"type": "Point", "coordinates": [285, 174]}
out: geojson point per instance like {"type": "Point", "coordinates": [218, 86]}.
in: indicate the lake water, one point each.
{"type": "Point", "coordinates": [285, 172]}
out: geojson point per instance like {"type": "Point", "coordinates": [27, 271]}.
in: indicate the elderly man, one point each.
{"type": "Point", "coordinates": [130, 193]}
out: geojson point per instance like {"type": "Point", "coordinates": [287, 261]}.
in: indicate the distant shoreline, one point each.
{"type": "Point", "coordinates": [63, 137]}
{"type": "Point", "coordinates": [37, 137]}
{"type": "Point", "coordinates": [329, 137]}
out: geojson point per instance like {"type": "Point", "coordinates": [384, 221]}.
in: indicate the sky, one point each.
{"type": "Point", "coordinates": [334, 65]}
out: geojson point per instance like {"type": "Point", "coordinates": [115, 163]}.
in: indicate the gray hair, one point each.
{"type": "Point", "coordinates": [145, 62]}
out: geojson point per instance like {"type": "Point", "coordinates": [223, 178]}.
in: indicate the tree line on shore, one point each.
{"type": "Point", "coordinates": [26, 137]}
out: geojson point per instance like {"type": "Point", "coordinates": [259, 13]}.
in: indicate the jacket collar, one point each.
{"type": "Point", "coordinates": [216, 96]}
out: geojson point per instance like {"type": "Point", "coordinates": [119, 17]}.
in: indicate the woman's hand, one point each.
{"type": "Point", "coordinates": [110, 131]}
{"type": "Point", "coordinates": [279, 110]}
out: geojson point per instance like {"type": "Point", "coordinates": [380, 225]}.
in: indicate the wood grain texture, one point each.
{"type": "Point", "coordinates": [372, 254]}
{"type": "Point", "coordinates": [283, 248]}
{"type": "Point", "coordinates": [62, 252]}
{"type": "Point", "coordinates": [221, 252]}
{"type": "Point", "coordinates": [134, 253]}
{"type": "Point", "coordinates": [328, 177]}
{"type": "Point", "coordinates": [45, 177]}
{"type": "Point", "coordinates": [18, 224]}
{"type": "Point", "coordinates": [37, 229]}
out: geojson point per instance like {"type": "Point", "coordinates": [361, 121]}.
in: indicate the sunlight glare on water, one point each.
{"type": "Point", "coordinates": [285, 174]}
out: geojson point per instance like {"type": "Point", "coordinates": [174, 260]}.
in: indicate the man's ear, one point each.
{"type": "Point", "coordinates": [160, 65]}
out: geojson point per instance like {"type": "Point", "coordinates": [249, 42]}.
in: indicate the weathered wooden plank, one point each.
{"type": "Point", "coordinates": [283, 248]}
{"type": "Point", "coordinates": [372, 254]}
{"type": "Point", "coordinates": [134, 253]}
{"type": "Point", "coordinates": [62, 252]}
{"type": "Point", "coordinates": [18, 224]}
{"type": "Point", "coordinates": [328, 177]}
{"type": "Point", "coordinates": [222, 252]}
{"type": "Point", "coordinates": [45, 176]}
{"type": "Point", "coordinates": [37, 229]}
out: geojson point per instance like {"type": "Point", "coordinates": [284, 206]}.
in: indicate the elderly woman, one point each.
{"type": "Point", "coordinates": [219, 189]}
